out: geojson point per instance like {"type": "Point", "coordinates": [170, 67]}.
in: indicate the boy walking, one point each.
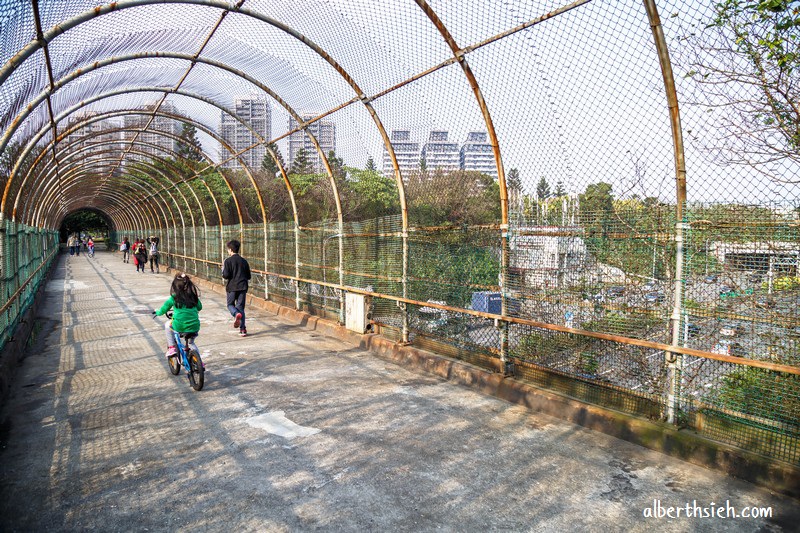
{"type": "Point", "coordinates": [236, 273]}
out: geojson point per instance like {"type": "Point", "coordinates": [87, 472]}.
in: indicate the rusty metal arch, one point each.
{"type": "Point", "coordinates": [80, 125]}
{"type": "Point", "coordinates": [78, 152]}
{"type": "Point", "coordinates": [154, 168]}
{"type": "Point", "coordinates": [78, 174]}
{"type": "Point", "coordinates": [48, 36]}
{"type": "Point", "coordinates": [45, 176]}
{"type": "Point", "coordinates": [144, 219]}
{"type": "Point", "coordinates": [18, 120]}
{"type": "Point", "coordinates": [161, 173]}
{"type": "Point", "coordinates": [111, 115]}
{"type": "Point", "coordinates": [163, 189]}
{"type": "Point", "coordinates": [322, 156]}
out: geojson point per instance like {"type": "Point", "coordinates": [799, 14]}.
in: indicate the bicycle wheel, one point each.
{"type": "Point", "coordinates": [196, 371]}
{"type": "Point", "coordinates": [174, 364]}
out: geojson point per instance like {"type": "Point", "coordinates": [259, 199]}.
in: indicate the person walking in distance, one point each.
{"type": "Point", "coordinates": [153, 254]}
{"type": "Point", "coordinates": [236, 273]}
{"type": "Point", "coordinates": [125, 248]}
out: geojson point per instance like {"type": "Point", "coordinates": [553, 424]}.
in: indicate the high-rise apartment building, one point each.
{"type": "Point", "coordinates": [164, 144]}
{"type": "Point", "coordinates": [256, 112]}
{"type": "Point", "coordinates": [94, 140]}
{"type": "Point", "coordinates": [323, 130]}
{"type": "Point", "coordinates": [476, 154]}
{"type": "Point", "coordinates": [406, 151]}
{"type": "Point", "coordinates": [440, 153]}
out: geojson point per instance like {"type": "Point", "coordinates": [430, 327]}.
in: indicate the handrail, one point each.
{"type": "Point", "coordinates": [14, 296]}
{"type": "Point", "coordinates": [533, 323]}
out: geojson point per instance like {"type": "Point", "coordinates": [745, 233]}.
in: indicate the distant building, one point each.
{"type": "Point", "coordinates": [96, 134]}
{"type": "Point", "coordinates": [257, 114]}
{"type": "Point", "coordinates": [547, 256]}
{"type": "Point", "coordinates": [476, 154]}
{"type": "Point", "coordinates": [781, 257]}
{"type": "Point", "coordinates": [405, 150]}
{"type": "Point", "coordinates": [159, 123]}
{"type": "Point", "coordinates": [440, 153]}
{"type": "Point", "coordinates": [323, 130]}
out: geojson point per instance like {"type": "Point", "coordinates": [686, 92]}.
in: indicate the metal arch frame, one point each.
{"type": "Point", "coordinates": [144, 218]}
{"type": "Point", "coordinates": [90, 120]}
{"type": "Point", "coordinates": [156, 169]}
{"type": "Point", "coordinates": [19, 119]}
{"type": "Point", "coordinates": [75, 174]}
{"type": "Point", "coordinates": [78, 182]}
{"type": "Point", "coordinates": [78, 167]}
{"type": "Point", "coordinates": [460, 57]}
{"type": "Point", "coordinates": [28, 50]}
{"type": "Point", "coordinates": [113, 114]}
{"type": "Point", "coordinates": [71, 154]}
{"type": "Point", "coordinates": [217, 64]}
{"type": "Point", "coordinates": [281, 168]}
{"type": "Point", "coordinates": [147, 163]}
{"type": "Point", "coordinates": [165, 190]}
{"type": "Point", "coordinates": [77, 126]}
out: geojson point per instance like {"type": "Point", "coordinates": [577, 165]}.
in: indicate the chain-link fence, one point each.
{"type": "Point", "coordinates": [598, 197]}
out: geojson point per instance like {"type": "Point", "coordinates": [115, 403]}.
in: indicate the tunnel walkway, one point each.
{"type": "Point", "coordinates": [294, 431]}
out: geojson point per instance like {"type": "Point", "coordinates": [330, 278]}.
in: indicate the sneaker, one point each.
{"type": "Point", "coordinates": [172, 351]}
{"type": "Point", "coordinates": [237, 320]}
{"type": "Point", "coordinates": [243, 333]}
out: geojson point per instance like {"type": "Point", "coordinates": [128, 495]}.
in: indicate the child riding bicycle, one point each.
{"type": "Point", "coordinates": [185, 299]}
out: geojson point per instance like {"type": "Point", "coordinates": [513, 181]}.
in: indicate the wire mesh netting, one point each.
{"type": "Point", "coordinates": [511, 184]}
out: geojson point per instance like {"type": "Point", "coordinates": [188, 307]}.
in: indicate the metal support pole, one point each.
{"type": "Point", "coordinates": [674, 360]}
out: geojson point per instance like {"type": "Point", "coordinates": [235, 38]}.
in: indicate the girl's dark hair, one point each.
{"type": "Point", "coordinates": [184, 292]}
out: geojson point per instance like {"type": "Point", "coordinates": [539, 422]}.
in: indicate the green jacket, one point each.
{"type": "Point", "coordinates": [184, 319]}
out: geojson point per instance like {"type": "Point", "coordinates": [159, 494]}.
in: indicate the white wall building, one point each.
{"type": "Point", "coordinates": [159, 123]}
{"type": "Point", "coordinates": [257, 114]}
{"type": "Point", "coordinates": [548, 256]}
{"type": "Point", "coordinates": [438, 152]}
{"type": "Point", "coordinates": [323, 130]}
{"type": "Point", "coordinates": [476, 154]}
{"type": "Point", "coordinates": [406, 150]}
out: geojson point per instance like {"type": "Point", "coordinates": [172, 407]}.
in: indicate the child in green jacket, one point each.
{"type": "Point", "coordinates": [185, 299]}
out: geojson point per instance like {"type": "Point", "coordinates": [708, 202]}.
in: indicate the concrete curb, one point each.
{"type": "Point", "coordinates": [684, 444]}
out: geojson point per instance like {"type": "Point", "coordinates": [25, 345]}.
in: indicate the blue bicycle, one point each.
{"type": "Point", "coordinates": [189, 357]}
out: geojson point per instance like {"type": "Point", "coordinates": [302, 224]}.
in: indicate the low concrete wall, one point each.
{"type": "Point", "coordinates": [681, 443]}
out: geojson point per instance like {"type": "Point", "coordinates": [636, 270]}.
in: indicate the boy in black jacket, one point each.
{"type": "Point", "coordinates": [236, 272]}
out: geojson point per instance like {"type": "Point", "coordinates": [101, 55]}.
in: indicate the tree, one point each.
{"type": "Point", "coordinates": [369, 194]}
{"type": "Point", "coordinates": [455, 197]}
{"type": "Point", "coordinates": [559, 192]}
{"type": "Point", "coordinates": [189, 145]}
{"type": "Point", "coordinates": [597, 209]}
{"type": "Point", "coordinates": [337, 166]}
{"type": "Point", "coordinates": [423, 164]}
{"type": "Point", "coordinates": [513, 180]}
{"type": "Point", "coordinates": [543, 189]}
{"type": "Point", "coordinates": [371, 164]}
{"type": "Point", "coordinates": [745, 63]}
{"type": "Point", "coordinates": [301, 163]}
{"type": "Point", "coordinates": [514, 186]}
{"type": "Point", "coordinates": [268, 164]}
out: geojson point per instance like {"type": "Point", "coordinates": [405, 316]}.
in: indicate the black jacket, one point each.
{"type": "Point", "coordinates": [236, 271]}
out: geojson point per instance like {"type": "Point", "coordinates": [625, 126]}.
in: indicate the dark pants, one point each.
{"type": "Point", "coordinates": [236, 301]}
{"type": "Point", "coordinates": [154, 261]}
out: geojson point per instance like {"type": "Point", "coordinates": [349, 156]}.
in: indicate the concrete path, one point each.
{"type": "Point", "coordinates": [298, 432]}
